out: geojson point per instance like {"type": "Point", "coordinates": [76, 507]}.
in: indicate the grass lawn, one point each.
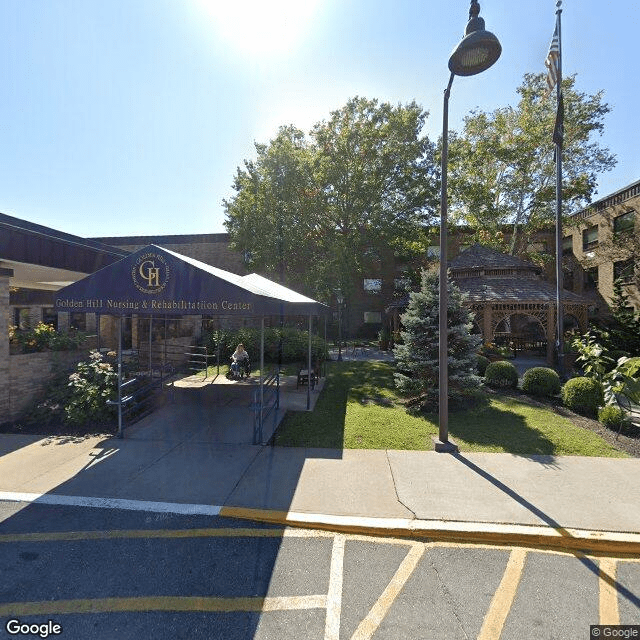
{"type": "Point", "coordinates": [359, 408]}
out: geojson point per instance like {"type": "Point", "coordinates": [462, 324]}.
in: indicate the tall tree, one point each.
{"type": "Point", "coordinates": [502, 167]}
{"type": "Point", "coordinates": [417, 357]}
{"type": "Point", "coordinates": [364, 182]}
{"type": "Point", "coordinates": [271, 213]}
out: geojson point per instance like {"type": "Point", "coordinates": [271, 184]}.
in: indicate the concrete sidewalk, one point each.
{"type": "Point", "coordinates": [569, 502]}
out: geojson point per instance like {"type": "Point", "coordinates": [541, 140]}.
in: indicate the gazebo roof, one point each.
{"type": "Point", "coordinates": [478, 256]}
{"type": "Point", "coordinates": [514, 290]}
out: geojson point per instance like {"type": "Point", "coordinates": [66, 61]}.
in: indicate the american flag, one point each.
{"type": "Point", "coordinates": [553, 61]}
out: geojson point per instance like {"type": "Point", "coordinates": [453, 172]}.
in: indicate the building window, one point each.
{"type": "Point", "coordinates": [567, 279]}
{"type": "Point", "coordinates": [372, 317]}
{"type": "Point", "coordinates": [372, 285]}
{"type": "Point", "coordinates": [50, 316]}
{"type": "Point", "coordinates": [433, 251]}
{"type": "Point", "coordinates": [624, 223]}
{"type": "Point", "coordinates": [590, 238]}
{"type": "Point", "coordinates": [567, 244]}
{"type": "Point", "coordinates": [540, 247]}
{"type": "Point", "coordinates": [624, 270]}
{"type": "Point", "coordinates": [78, 321]}
{"type": "Point", "coordinates": [401, 284]}
{"type": "Point", "coordinates": [591, 278]}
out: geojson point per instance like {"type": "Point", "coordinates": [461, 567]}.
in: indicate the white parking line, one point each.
{"type": "Point", "coordinates": [112, 503]}
{"type": "Point", "coordinates": [334, 597]}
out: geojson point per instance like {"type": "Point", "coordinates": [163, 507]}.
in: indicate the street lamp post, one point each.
{"type": "Point", "coordinates": [477, 51]}
{"type": "Point", "coordinates": [339, 300]}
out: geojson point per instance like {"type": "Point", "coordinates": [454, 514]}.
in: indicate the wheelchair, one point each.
{"type": "Point", "coordinates": [239, 370]}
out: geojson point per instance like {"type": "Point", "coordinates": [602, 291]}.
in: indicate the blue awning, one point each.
{"type": "Point", "coordinates": [156, 281]}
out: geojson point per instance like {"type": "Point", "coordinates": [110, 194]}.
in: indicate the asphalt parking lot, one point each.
{"type": "Point", "coordinates": [104, 573]}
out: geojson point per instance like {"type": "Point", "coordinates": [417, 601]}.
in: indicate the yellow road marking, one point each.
{"type": "Point", "coordinates": [503, 597]}
{"type": "Point", "coordinates": [163, 603]}
{"type": "Point", "coordinates": [284, 532]}
{"type": "Point", "coordinates": [62, 536]}
{"type": "Point", "coordinates": [609, 613]}
{"type": "Point", "coordinates": [334, 597]}
{"type": "Point", "coordinates": [376, 615]}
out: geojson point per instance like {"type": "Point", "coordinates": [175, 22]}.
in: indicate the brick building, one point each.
{"type": "Point", "coordinates": [602, 244]}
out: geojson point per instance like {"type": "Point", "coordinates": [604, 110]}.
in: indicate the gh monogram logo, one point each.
{"type": "Point", "coordinates": [151, 274]}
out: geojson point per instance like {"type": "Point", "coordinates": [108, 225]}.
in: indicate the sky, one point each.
{"type": "Point", "coordinates": [130, 117]}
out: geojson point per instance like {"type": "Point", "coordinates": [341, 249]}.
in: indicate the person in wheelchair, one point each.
{"type": "Point", "coordinates": [240, 365]}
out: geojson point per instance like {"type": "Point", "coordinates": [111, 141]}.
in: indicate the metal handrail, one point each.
{"type": "Point", "coordinates": [261, 411]}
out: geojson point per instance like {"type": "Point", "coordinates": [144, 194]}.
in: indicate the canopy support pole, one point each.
{"type": "Point", "coordinates": [309, 369]}
{"type": "Point", "coordinates": [119, 376]}
{"type": "Point", "coordinates": [324, 346]}
{"type": "Point", "coordinates": [261, 377]}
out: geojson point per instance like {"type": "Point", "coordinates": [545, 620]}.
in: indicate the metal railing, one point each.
{"type": "Point", "coordinates": [270, 402]}
{"type": "Point", "coordinates": [197, 360]}
{"type": "Point", "coordinates": [136, 395]}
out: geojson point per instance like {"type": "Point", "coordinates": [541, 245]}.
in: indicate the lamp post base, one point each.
{"type": "Point", "coordinates": [444, 447]}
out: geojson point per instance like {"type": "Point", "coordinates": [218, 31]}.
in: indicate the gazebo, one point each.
{"type": "Point", "coordinates": [510, 299]}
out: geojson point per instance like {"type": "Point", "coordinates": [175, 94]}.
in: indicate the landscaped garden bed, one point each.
{"type": "Point", "coordinates": [360, 407]}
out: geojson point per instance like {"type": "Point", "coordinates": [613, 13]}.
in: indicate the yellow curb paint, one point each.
{"type": "Point", "coordinates": [503, 597]}
{"type": "Point", "coordinates": [376, 615]}
{"type": "Point", "coordinates": [603, 542]}
{"type": "Point", "coordinates": [163, 603]}
{"type": "Point", "coordinates": [334, 597]}
{"type": "Point", "coordinates": [609, 613]}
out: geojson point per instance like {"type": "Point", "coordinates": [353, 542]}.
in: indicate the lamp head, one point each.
{"type": "Point", "coordinates": [478, 50]}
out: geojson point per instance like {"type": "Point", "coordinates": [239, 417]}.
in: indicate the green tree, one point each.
{"type": "Point", "coordinates": [272, 213]}
{"type": "Point", "coordinates": [417, 359]}
{"type": "Point", "coordinates": [362, 185]}
{"type": "Point", "coordinates": [502, 166]}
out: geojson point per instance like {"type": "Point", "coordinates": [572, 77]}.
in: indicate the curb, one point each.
{"type": "Point", "coordinates": [569, 539]}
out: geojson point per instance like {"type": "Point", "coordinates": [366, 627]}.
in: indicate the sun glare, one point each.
{"type": "Point", "coordinates": [257, 27]}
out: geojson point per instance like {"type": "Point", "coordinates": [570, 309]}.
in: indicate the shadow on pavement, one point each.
{"type": "Point", "coordinates": [587, 562]}
{"type": "Point", "coordinates": [196, 450]}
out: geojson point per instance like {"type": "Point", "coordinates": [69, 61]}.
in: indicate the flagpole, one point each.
{"type": "Point", "coordinates": [558, 142]}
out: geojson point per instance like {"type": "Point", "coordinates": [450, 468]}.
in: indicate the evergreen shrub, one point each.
{"type": "Point", "coordinates": [501, 374]}
{"type": "Point", "coordinates": [481, 364]}
{"type": "Point", "coordinates": [583, 395]}
{"type": "Point", "coordinates": [417, 358]}
{"type": "Point", "coordinates": [541, 381]}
